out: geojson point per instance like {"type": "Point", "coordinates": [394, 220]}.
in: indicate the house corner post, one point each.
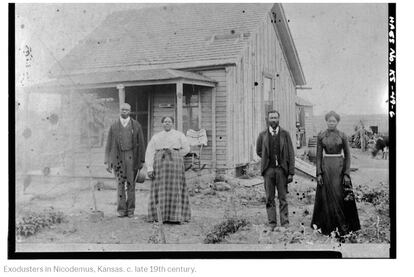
{"type": "Point", "coordinates": [179, 91]}
{"type": "Point", "coordinates": [121, 94]}
{"type": "Point", "coordinates": [213, 133]}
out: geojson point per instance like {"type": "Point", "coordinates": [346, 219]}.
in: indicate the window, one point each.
{"type": "Point", "coordinates": [191, 109]}
{"type": "Point", "coordinates": [267, 93]}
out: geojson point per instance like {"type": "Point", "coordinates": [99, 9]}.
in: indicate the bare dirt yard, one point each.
{"type": "Point", "coordinates": [231, 212]}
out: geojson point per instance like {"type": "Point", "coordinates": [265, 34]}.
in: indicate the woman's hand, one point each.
{"type": "Point", "coordinates": [347, 181]}
{"type": "Point", "coordinates": [319, 180]}
{"type": "Point", "coordinates": [151, 174]}
{"type": "Point", "coordinates": [108, 168]}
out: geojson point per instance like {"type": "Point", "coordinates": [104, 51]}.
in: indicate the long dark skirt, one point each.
{"type": "Point", "coordinates": [169, 188]}
{"type": "Point", "coordinates": [331, 212]}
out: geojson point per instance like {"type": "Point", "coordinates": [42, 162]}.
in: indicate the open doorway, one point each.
{"type": "Point", "coordinates": [139, 99]}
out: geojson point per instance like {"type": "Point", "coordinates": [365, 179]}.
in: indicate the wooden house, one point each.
{"type": "Point", "coordinates": [218, 67]}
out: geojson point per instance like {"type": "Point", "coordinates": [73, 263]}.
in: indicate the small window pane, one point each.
{"type": "Point", "coordinates": [191, 110]}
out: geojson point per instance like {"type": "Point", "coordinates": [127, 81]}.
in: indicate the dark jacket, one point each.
{"type": "Point", "coordinates": [287, 154]}
{"type": "Point", "coordinates": [112, 150]}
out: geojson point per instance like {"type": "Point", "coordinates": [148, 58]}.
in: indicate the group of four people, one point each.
{"type": "Point", "coordinates": [125, 155]}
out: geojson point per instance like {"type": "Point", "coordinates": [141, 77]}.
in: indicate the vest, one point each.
{"type": "Point", "coordinates": [274, 148]}
{"type": "Point", "coordinates": [125, 137]}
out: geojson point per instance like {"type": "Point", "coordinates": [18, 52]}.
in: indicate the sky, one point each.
{"type": "Point", "coordinates": [342, 48]}
{"type": "Point", "coordinates": [343, 52]}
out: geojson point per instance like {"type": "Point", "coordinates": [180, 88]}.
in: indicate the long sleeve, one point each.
{"type": "Point", "coordinates": [150, 154]}
{"type": "Point", "coordinates": [259, 146]}
{"type": "Point", "coordinates": [108, 146]}
{"type": "Point", "coordinates": [141, 147]}
{"type": "Point", "coordinates": [319, 155]}
{"type": "Point", "coordinates": [347, 166]}
{"type": "Point", "coordinates": [291, 154]}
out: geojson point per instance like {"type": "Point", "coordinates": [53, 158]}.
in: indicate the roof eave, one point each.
{"type": "Point", "coordinates": [188, 65]}
{"type": "Point", "coordinates": [289, 45]}
{"type": "Point", "coordinates": [55, 85]}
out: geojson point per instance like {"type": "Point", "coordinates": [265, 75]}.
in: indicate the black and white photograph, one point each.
{"type": "Point", "coordinates": [145, 129]}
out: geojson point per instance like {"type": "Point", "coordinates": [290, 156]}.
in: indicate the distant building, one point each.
{"type": "Point", "coordinates": [378, 123]}
{"type": "Point", "coordinates": [305, 128]}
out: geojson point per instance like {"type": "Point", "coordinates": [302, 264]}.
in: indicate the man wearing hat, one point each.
{"type": "Point", "coordinates": [125, 156]}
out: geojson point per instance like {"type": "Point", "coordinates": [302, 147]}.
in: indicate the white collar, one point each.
{"type": "Point", "coordinates": [271, 130]}
{"type": "Point", "coordinates": [125, 121]}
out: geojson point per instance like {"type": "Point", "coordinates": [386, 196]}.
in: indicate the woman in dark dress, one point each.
{"type": "Point", "coordinates": [335, 208]}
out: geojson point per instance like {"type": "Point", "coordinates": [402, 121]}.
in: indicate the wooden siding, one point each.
{"type": "Point", "coordinates": [218, 75]}
{"type": "Point", "coordinates": [262, 57]}
{"type": "Point", "coordinates": [206, 123]}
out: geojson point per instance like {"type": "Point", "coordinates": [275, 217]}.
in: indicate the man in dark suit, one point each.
{"type": "Point", "coordinates": [125, 155]}
{"type": "Point", "coordinates": [275, 147]}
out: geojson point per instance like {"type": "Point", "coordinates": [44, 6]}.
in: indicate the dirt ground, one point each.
{"type": "Point", "coordinates": [245, 200]}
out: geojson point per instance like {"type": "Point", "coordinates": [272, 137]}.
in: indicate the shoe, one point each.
{"type": "Point", "coordinates": [130, 215]}
{"type": "Point", "coordinates": [270, 227]}
{"type": "Point", "coordinates": [281, 229]}
{"type": "Point", "coordinates": [171, 222]}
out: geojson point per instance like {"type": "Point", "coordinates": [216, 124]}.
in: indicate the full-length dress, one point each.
{"type": "Point", "coordinates": [164, 156]}
{"type": "Point", "coordinates": [331, 212]}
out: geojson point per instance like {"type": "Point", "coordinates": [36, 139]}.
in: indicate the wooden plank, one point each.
{"type": "Point", "coordinates": [179, 103]}
{"type": "Point", "coordinates": [121, 94]}
{"type": "Point", "coordinates": [213, 127]}
{"type": "Point", "coordinates": [230, 114]}
{"type": "Point", "coordinates": [307, 168]}
{"type": "Point", "coordinates": [219, 104]}
{"type": "Point", "coordinates": [199, 110]}
{"type": "Point", "coordinates": [245, 123]}
{"type": "Point", "coordinates": [236, 106]}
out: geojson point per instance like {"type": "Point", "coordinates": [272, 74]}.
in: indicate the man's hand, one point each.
{"type": "Point", "coordinates": [108, 168]}
{"type": "Point", "coordinates": [289, 178]}
{"type": "Point", "coordinates": [151, 174]}
{"type": "Point", "coordinates": [319, 180]}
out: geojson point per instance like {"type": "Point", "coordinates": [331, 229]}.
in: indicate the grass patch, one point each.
{"type": "Point", "coordinates": [379, 197]}
{"type": "Point", "coordinates": [33, 222]}
{"type": "Point", "coordinates": [221, 230]}
{"type": "Point", "coordinates": [375, 229]}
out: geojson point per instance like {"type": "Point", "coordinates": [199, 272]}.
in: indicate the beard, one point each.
{"type": "Point", "coordinates": [274, 124]}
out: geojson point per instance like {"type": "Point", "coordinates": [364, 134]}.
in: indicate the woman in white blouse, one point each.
{"type": "Point", "coordinates": [165, 165]}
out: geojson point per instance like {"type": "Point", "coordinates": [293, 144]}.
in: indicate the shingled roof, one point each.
{"type": "Point", "coordinates": [166, 36]}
